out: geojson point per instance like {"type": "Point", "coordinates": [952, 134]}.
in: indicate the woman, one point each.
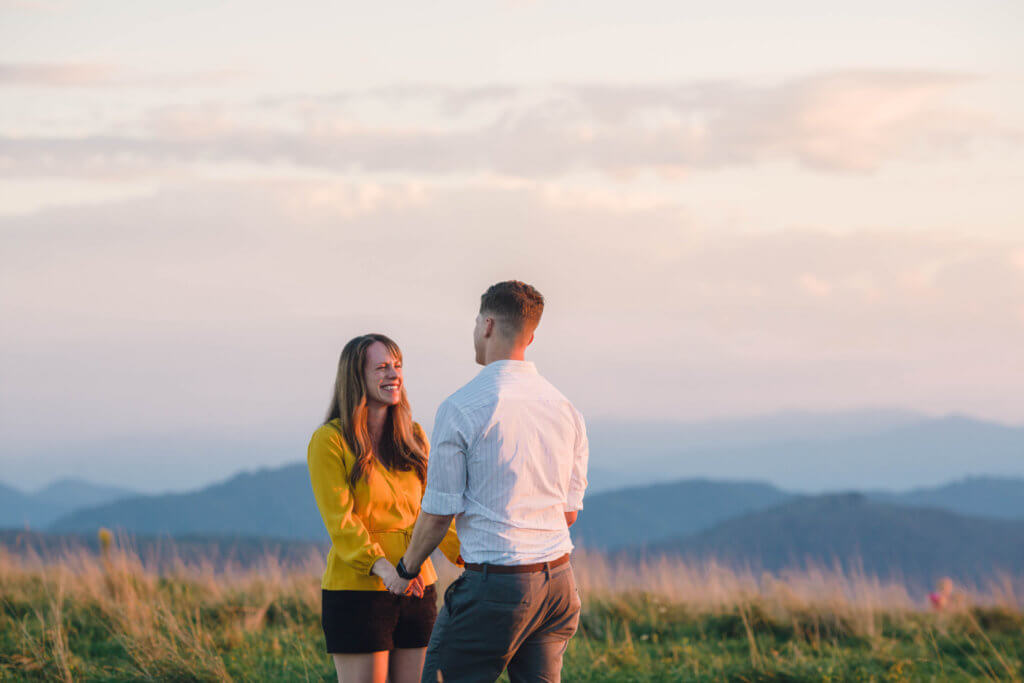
{"type": "Point", "coordinates": [368, 466]}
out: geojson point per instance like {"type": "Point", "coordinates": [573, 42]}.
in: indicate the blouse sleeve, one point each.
{"type": "Point", "coordinates": [329, 477]}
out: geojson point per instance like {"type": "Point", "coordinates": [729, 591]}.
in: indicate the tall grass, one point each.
{"type": "Point", "coordinates": [77, 615]}
{"type": "Point", "coordinates": [814, 607]}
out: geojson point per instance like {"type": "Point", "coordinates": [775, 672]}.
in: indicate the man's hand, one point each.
{"type": "Point", "coordinates": [416, 587]}
{"type": "Point", "coordinates": [392, 581]}
{"type": "Point", "coordinates": [570, 518]}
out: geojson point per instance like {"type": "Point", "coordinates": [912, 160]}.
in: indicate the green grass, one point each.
{"type": "Point", "coordinates": [87, 620]}
{"type": "Point", "coordinates": [639, 638]}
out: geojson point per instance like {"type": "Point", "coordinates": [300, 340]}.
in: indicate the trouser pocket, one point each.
{"type": "Point", "coordinates": [449, 592]}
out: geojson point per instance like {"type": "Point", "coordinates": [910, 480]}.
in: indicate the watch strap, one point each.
{"type": "Point", "coordinates": [403, 572]}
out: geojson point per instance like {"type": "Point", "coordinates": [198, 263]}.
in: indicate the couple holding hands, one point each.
{"type": "Point", "coordinates": [503, 483]}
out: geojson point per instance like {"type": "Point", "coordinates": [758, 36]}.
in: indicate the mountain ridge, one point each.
{"type": "Point", "coordinates": [880, 539]}
{"type": "Point", "coordinates": [40, 508]}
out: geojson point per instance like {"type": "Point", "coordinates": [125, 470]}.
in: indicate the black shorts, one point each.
{"type": "Point", "coordinates": [371, 621]}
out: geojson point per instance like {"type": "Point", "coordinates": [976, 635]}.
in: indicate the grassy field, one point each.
{"type": "Point", "coordinates": [83, 617]}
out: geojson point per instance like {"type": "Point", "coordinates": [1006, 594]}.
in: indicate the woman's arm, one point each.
{"type": "Point", "coordinates": [328, 475]}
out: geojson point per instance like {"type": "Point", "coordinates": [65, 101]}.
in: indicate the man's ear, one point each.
{"type": "Point", "coordinates": [531, 339]}
{"type": "Point", "coordinates": [488, 327]}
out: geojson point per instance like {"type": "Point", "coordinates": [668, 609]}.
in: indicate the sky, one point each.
{"type": "Point", "coordinates": [735, 209]}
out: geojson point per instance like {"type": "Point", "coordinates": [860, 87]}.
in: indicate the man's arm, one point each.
{"type": "Point", "coordinates": [446, 482]}
{"type": "Point", "coordinates": [430, 530]}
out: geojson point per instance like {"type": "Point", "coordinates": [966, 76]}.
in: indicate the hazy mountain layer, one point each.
{"type": "Point", "coordinates": [918, 544]}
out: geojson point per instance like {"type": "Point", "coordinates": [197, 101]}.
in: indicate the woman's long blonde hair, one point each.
{"type": "Point", "coordinates": [402, 448]}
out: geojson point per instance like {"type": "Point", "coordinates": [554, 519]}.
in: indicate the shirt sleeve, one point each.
{"type": "Point", "coordinates": [446, 469]}
{"type": "Point", "coordinates": [450, 543]}
{"type": "Point", "coordinates": [578, 480]}
{"type": "Point", "coordinates": [329, 477]}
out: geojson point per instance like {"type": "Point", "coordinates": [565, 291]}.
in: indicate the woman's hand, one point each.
{"type": "Point", "coordinates": [392, 581]}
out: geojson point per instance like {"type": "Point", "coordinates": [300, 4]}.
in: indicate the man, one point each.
{"type": "Point", "coordinates": [509, 462]}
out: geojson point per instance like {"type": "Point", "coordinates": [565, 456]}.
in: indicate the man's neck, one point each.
{"type": "Point", "coordinates": [504, 354]}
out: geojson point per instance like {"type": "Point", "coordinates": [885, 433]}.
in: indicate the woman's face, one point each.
{"type": "Point", "coordinates": [382, 375]}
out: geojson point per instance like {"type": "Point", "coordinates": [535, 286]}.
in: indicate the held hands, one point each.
{"type": "Point", "coordinates": [416, 587]}
{"type": "Point", "coordinates": [395, 583]}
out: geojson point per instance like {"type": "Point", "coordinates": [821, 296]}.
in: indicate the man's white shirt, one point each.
{"type": "Point", "coordinates": [508, 457]}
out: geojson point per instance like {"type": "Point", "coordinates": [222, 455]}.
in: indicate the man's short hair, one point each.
{"type": "Point", "coordinates": [516, 305]}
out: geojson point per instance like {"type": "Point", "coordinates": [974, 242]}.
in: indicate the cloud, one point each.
{"type": "Point", "coordinates": [55, 74]}
{"type": "Point", "coordinates": [835, 122]}
{"type": "Point", "coordinates": [221, 305]}
{"type": "Point", "coordinates": [105, 75]}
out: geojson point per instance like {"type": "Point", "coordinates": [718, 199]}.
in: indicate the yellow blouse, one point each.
{"type": "Point", "coordinates": [368, 522]}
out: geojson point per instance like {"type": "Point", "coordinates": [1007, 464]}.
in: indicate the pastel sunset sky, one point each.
{"type": "Point", "coordinates": [732, 208]}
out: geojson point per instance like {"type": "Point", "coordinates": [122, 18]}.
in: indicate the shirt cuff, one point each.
{"type": "Point", "coordinates": [437, 503]}
{"type": "Point", "coordinates": [574, 502]}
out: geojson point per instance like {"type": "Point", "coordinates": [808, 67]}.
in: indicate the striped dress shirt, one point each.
{"type": "Point", "coordinates": [508, 458]}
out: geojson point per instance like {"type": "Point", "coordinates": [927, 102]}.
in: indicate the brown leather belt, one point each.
{"type": "Point", "coordinates": [517, 568]}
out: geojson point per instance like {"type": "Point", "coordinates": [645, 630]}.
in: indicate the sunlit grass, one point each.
{"type": "Point", "coordinates": [114, 617]}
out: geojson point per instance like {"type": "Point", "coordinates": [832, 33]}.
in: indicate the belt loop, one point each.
{"type": "Point", "coordinates": [547, 571]}
{"type": "Point", "coordinates": [485, 572]}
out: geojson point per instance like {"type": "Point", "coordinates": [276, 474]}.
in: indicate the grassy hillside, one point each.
{"type": "Point", "coordinates": [83, 618]}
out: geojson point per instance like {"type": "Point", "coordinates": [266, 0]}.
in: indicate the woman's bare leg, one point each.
{"type": "Point", "coordinates": [369, 668]}
{"type": "Point", "coordinates": [406, 664]}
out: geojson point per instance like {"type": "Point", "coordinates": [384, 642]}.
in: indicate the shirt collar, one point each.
{"type": "Point", "coordinates": [511, 366]}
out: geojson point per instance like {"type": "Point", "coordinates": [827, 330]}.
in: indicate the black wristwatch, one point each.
{"type": "Point", "coordinates": [403, 572]}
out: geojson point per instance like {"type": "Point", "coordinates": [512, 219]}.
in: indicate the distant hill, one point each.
{"type": "Point", "coordinates": [278, 502]}
{"type": "Point", "coordinates": [974, 496]}
{"type": "Point", "coordinates": [636, 452]}
{"type": "Point", "coordinates": [924, 453]}
{"type": "Point", "coordinates": [651, 513]}
{"type": "Point", "coordinates": [35, 510]}
{"type": "Point", "coordinates": [269, 502]}
{"type": "Point", "coordinates": [647, 514]}
{"type": "Point", "coordinates": [601, 480]}
{"type": "Point", "coordinates": [18, 510]}
{"type": "Point", "coordinates": [809, 452]}
{"type": "Point", "coordinates": [152, 463]}
{"type": "Point", "coordinates": [917, 544]}
{"type": "Point", "coordinates": [75, 493]}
